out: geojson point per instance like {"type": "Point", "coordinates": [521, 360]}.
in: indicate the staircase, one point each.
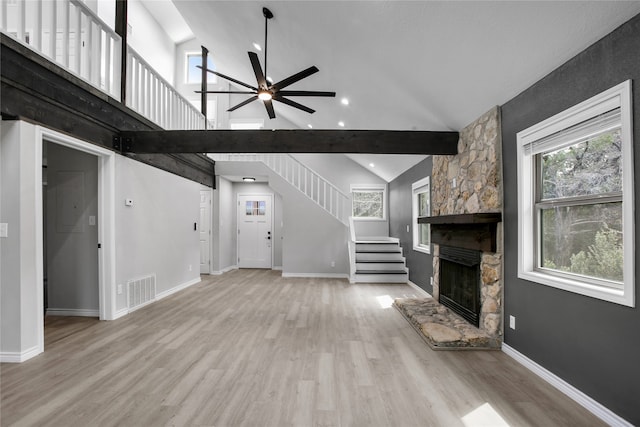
{"type": "Point", "coordinates": [379, 261]}
{"type": "Point", "coordinates": [315, 187]}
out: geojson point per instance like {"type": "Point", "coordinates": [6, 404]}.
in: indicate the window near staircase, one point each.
{"type": "Point", "coordinates": [421, 200]}
{"type": "Point", "coordinates": [194, 74]}
{"type": "Point", "coordinates": [369, 201]}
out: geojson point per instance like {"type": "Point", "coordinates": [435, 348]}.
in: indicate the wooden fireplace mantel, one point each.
{"type": "Point", "coordinates": [470, 231]}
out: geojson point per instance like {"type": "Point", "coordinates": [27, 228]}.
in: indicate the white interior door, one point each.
{"type": "Point", "coordinates": [255, 238]}
{"type": "Point", "coordinates": [205, 231]}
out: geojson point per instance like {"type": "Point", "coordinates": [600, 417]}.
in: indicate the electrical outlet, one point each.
{"type": "Point", "coordinates": [4, 229]}
{"type": "Point", "coordinates": [454, 183]}
{"type": "Point", "coordinates": [512, 322]}
{"type": "Point", "coordinates": [431, 280]}
{"type": "Point", "coordinates": [333, 264]}
{"type": "Point", "coordinates": [407, 228]}
{"type": "Point", "coordinates": [190, 268]}
{"type": "Point", "coordinates": [120, 289]}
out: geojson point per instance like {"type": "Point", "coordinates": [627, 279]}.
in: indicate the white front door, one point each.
{"type": "Point", "coordinates": [254, 230]}
{"type": "Point", "coordinates": [205, 231]}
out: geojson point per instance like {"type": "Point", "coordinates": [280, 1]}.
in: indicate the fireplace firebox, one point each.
{"type": "Point", "coordinates": [460, 282]}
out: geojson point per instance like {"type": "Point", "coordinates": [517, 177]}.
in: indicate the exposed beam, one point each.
{"type": "Point", "coordinates": [122, 7]}
{"type": "Point", "coordinates": [294, 141]}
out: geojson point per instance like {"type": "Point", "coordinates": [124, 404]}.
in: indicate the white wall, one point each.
{"type": "Point", "coordinates": [20, 271]}
{"type": "Point", "coordinates": [155, 235]}
{"type": "Point", "coordinates": [150, 40]}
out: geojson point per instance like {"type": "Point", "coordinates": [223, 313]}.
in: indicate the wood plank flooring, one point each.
{"type": "Point", "coordinates": [251, 348]}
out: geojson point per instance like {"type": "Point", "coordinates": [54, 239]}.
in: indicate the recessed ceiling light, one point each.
{"type": "Point", "coordinates": [372, 165]}
{"type": "Point", "coordinates": [257, 46]}
{"type": "Point", "coordinates": [248, 179]}
{"type": "Point", "coordinates": [344, 101]}
{"type": "Point", "coordinates": [310, 126]}
{"type": "Point", "coordinates": [341, 124]}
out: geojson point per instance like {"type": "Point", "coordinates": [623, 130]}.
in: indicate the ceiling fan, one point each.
{"type": "Point", "coordinates": [267, 91]}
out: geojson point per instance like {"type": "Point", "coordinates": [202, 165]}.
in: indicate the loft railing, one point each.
{"type": "Point", "coordinates": [156, 99]}
{"type": "Point", "coordinates": [68, 33]}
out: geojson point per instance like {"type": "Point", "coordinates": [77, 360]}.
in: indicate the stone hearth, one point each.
{"type": "Point", "coordinates": [441, 328]}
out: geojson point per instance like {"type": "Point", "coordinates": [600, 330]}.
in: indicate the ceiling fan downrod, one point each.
{"type": "Point", "coordinates": [267, 15]}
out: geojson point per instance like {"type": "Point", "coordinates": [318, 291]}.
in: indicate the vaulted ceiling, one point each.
{"type": "Point", "coordinates": [426, 65]}
{"type": "Point", "coordinates": [403, 65]}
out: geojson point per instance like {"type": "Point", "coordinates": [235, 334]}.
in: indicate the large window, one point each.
{"type": "Point", "coordinates": [368, 201]}
{"type": "Point", "coordinates": [576, 226]}
{"type": "Point", "coordinates": [421, 207]}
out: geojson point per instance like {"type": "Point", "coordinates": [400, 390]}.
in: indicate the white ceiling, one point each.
{"type": "Point", "coordinates": [403, 65]}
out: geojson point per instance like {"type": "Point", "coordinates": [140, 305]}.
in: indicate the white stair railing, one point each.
{"type": "Point", "coordinates": [156, 99]}
{"type": "Point", "coordinates": [315, 187]}
{"type": "Point", "coordinates": [68, 33]}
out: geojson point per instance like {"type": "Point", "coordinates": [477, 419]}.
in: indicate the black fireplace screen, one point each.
{"type": "Point", "coordinates": [460, 282]}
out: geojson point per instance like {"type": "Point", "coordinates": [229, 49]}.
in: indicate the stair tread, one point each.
{"type": "Point", "coordinates": [379, 252]}
{"type": "Point", "coordinates": [381, 272]}
{"type": "Point", "coordinates": [373, 261]}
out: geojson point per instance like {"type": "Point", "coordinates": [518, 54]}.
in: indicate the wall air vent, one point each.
{"type": "Point", "coordinates": [141, 292]}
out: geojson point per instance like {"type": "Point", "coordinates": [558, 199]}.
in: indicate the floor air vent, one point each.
{"type": "Point", "coordinates": [141, 291]}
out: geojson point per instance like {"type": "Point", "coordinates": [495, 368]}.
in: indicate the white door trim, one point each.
{"type": "Point", "coordinates": [210, 225]}
{"type": "Point", "coordinates": [106, 224]}
{"type": "Point", "coordinates": [272, 196]}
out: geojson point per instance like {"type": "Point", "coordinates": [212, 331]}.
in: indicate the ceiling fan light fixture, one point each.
{"type": "Point", "coordinates": [265, 95]}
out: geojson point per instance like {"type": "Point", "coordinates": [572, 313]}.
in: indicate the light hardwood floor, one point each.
{"type": "Point", "coordinates": [252, 348]}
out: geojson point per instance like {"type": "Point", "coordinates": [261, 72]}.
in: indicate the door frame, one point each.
{"type": "Point", "coordinates": [271, 195]}
{"type": "Point", "coordinates": [210, 191]}
{"type": "Point", "coordinates": [106, 223]}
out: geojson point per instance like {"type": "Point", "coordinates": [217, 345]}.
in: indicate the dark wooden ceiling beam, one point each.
{"type": "Point", "coordinates": [293, 141]}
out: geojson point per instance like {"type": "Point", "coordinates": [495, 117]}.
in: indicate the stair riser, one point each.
{"type": "Point", "coordinates": [373, 247]}
{"type": "Point", "coordinates": [381, 278]}
{"type": "Point", "coordinates": [389, 266]}
{"type": "Point", "coordinates": [382, 257]}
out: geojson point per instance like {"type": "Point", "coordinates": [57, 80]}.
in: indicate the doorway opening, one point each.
{"type": "Point", "coordinates": [85, 286]}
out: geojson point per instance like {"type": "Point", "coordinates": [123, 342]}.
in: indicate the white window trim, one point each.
{"type": "Point", "coordinates": [425, 182]}
{"type": "Point", "coordinates": [618, 96]}
{"type": "Point", "coordinates": [369, 187]}
{"type": "Point", "coordinates": [211, 78]}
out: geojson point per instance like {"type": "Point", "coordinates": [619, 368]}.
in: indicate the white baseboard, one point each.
{"type": "Point", "coordinates": [419, 290]}
{"type": "Point", "coordinates": [587, 402]}
{"type": "Point", "coordinates": [317, 275]}
{"type": "Point", "coordinates": [19, 357]}
{"type": "Point", "coordinates": [78, 312]}
{"type": "Point", "coordinates": [120, 313]}
{"type": "Point", "coordinates": [224, 270]}
{"type": "Point", "coordinates": [178, 288]}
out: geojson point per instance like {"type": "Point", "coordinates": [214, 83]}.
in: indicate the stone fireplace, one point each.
{"type": "Point", "coordinates": [466, 233]}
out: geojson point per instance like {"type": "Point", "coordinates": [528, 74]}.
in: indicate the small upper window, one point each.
{"type": "Point", "coordinates": [576, 199]}
{"type": "Point", "coordinates": [421, 206]}
{"type": "Point", "coordinates": [368, 201]}
{"type": "Point", "coordinates": [194, 74]}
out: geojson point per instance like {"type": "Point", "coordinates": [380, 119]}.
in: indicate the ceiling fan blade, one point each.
{"type": "Point", "coordinates": [292, 79]}
{"type": "Point", "coordinates": [305, 93]}
{"type": "Point", "coordinates": [294, 104]}
{"type": "Point", "coordinates": [269, 106]}
{"type": "Point", "coordinates": [229, 78]}
{"type": "Point", "coordinates": [257, 69]}
{"type": "Point", "coordinates": [243, 103]}
{"type": "Point", "coordinates": [246, 92]}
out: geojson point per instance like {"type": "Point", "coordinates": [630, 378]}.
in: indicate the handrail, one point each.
{"type": "Point", "coordinates": [319, 176]}
{"type": "Point", "coordinates": [95, 18]}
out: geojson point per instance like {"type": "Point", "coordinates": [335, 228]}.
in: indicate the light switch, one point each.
{"type": "Point", "coordinates": [407, 228]}
{"type": "Point", "coordinates": [92, 220]}
{"type": "Point", "coordinates": [4, 229]}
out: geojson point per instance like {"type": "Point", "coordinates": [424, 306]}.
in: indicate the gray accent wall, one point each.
{"type": "Point", "coordinates": [400, 215]}
{"type": "Point", "coordinates": [592, 344]}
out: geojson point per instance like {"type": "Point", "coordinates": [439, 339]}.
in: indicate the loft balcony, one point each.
{"type": "Point", "coordinates": [69, 34]}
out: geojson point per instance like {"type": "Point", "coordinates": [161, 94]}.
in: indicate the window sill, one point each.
{"type": "Point", "coordinates": [422, 249]}
{"type": "Point", "coordinates": [604, 293]}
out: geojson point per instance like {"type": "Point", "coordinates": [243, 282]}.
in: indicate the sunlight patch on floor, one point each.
{"type": "Point", "coordinates": [385, 301]}
{"type": "Point", "coordinates": [484, 416]}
